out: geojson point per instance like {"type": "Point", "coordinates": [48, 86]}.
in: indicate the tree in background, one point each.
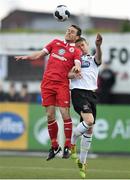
{"type": "Point", "coordinates": [125, 26]}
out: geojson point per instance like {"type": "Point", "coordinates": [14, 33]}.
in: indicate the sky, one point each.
{"type": "Point", "coordinates": [101, 8]}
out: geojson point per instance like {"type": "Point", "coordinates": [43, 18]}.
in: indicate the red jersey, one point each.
{"type": "Point", "coordinates": [61, 60]}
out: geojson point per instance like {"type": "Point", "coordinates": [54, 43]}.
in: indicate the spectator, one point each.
{"type": "Point", "coordinates": [12, 95]}
{"type": "Point", "coordinates": [39, 99]}
{"type": "Point", "coordinates": [24, 96]}
{"type": "Point", "coordinates": [106, 81]}
{"type": "Point", "coordinates": [2, 93]}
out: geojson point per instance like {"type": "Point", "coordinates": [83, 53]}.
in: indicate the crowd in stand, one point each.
{"type": "Point", "coordinates": [22, 96]}
{"type": "Point", "coordinates": [106, 81]}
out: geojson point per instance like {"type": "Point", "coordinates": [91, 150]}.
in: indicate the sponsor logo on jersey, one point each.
{"type": "Point", "coordinates": [11, 126]}
{"type": "Point", "coordinates": [85, 63]}
{"type": "Point", "coordinates": [61, 51]}
{"type": "Point", "coordinates": [71, 49]}
{"type": "Point", "coordinates": [59, 57]}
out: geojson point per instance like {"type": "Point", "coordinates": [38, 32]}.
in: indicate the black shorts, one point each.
{"type": "Point", "coordinates": [85, 101]}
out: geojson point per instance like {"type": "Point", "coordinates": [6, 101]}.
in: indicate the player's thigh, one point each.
{"type": "Point", "coordinates": [48, 93]}
{"type": "Point", "coordinates": [78, 100]}
{"type": "Point", "coordinates": [48, 99]}
{"type": "Point", "coordinates": [63, 96]}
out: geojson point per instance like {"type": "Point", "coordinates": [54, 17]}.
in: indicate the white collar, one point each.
{"type": "Point", "coordinates": [71, 44]}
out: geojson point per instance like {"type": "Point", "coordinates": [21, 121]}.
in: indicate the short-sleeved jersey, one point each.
{"type": "Point", "coordinates": [89, 72]}
{"type": "Point", "coordinates": [61, 60]}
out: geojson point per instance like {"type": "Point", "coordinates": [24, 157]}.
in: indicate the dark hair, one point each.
{"type": "Point", "coordinates": [24, 85]}
{"type": "Point", "coordinates": [79, 31]}
{"type": "Point", "coordinates": [80, 40]}
{"type": "Point", "coordinates": [12, 84]}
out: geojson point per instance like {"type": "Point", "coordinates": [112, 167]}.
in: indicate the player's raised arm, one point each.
{"type": "Point", "coordinates": [35, 56]}
{"type": "Point", "coordinates": [98, 55]}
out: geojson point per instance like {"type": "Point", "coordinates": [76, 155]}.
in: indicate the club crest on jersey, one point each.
{"type": "Point", "coordinates": [61, 51]}
{"type": "Point", "coordinates": [71, 49]}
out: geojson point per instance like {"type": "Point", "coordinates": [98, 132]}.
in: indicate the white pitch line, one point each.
{"type": "Point", "coordinates": [66, 169]}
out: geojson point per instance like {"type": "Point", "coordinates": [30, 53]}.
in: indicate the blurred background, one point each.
{"type": "Point", "coordinates": [27, 26]}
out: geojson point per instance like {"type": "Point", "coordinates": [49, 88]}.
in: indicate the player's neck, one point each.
{"type": "Point", "coordinates": [67, 41]}
{"type": "Point", "coordinates": [86, 54]}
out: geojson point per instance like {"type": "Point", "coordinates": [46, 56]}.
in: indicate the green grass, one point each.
{"type": "Point", "coordinates": [39, 168]}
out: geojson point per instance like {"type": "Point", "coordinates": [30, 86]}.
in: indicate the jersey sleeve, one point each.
{"type": "Point", "coordinates": [49, 47]}
{"type": "Point", "coordinates": [77, 55]}
{"type": "Point", "coordinates": [98, 64]}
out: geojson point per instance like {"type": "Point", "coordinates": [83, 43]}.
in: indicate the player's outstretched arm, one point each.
{"type": "Point", "coordinates": [35, 56]}
{"type": "Point", "coordinates": [98, 55]}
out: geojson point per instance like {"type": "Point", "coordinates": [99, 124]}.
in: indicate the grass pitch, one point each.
{"type": "Point", "coordinates": [39, 168]}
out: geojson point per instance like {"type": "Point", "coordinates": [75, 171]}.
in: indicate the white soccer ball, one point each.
{"type": "Point", "coordinates": [61, 13]}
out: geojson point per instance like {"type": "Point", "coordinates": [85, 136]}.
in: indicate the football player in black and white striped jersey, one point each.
{"type": "Point", "coordinates": [83, 86]}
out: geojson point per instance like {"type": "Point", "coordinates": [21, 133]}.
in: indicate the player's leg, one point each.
{"type": "Point", "coordinates": [67, 130]}
{"type": "Point", "coordinates": [82, 127]}
{"type": "Point", "coordinates": [49, 101]}
{"type": "Point", "coordinates": [63, 101]}
{"type": "Point", "coordinates": [53, 132]}
{"type": "Point", "coordinates": [87, 136]}
{"type": "Point", "coordinates": [85, 144]}
{"type": "Point", "coordinates": [80, 130]}
{"type": "Point", "coordinates": [52, 125]}
{"type": "Point", "coordinates": [81, 106]}
{"type": "Point", "coordinates": [86, 139]}
{"type": "Point", "coordinates": [85, 106]}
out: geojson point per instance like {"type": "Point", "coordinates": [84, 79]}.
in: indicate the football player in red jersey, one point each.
{"type": "Point", "coordinates": [55, 84]}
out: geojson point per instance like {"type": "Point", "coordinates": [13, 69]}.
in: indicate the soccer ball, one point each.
{"type": "Point", "coordinates": [61, 13]}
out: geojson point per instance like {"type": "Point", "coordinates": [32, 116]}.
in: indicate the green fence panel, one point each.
{"type": "Point", "coordinates": [112, 129]}
{"type": "Point", "coordinates": [38, 138]}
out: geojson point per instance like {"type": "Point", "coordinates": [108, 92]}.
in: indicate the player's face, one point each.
{"type": "Point", "coordinates": [83, 46]}
{"type": "Point", "coordinates": [71, 34]}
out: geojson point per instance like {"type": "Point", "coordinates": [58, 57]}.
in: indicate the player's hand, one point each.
{"type": "Point", "coordinates": [77, 72]}
{"type": "Point", "coordinates": [17, 58]}
{"type": "Point", "coordinates": [73, 75]}
{"type": "Point", "coordinates": [98, 41]}
{"type": "Point", "coordinates": [77, 69]}
{"type": "Point", "coordinates": [78, 75]}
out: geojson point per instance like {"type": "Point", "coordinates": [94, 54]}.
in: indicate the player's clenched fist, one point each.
{"type": "Point", "coordinates": [98, 41]}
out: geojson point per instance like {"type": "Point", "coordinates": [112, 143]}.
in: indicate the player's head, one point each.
{"type": "Point", "coordinates": [82, 44]}
{"type": "Point", "coordinates": [73, 33]}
